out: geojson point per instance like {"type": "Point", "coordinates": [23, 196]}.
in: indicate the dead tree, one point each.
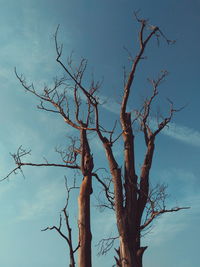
{"type": "Point", "coordinates": [132, 200]}
{"type": "Point", "coordinates": [79, 158]}
{"type": "Point", "coordinates": [132, 195]}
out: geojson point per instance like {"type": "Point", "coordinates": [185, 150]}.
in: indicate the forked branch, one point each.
{"type": "Point", "coordinates": [67, 237]}
{"type": "Point", "coordinates": [155, 214]}
{"type": "Point", "coordinates": [19, 163]}
{"type": "Point", "coordinates": [105, 244]}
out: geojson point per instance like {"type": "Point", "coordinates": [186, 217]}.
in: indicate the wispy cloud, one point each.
{"type": "Point", "coordinates": [166, 228]}
{"type": "Point", "coordinates": [110, 104]}
{"type": "Point", "coordinates": [183, 134]}
{"type": "Point", "coordinates": [108, 221]}
{"type": "Point", "coordinates": [42, 203]}
{"type": "Point", "coordinates": [188, 180]}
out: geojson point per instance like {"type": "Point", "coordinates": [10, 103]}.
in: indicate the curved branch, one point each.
{"type": "Point", "coordinates": [155, 214]}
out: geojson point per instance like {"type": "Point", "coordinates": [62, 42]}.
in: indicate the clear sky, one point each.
{"type": "Point", "coordinates": [96, 30]}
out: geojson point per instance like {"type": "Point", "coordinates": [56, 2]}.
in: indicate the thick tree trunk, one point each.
{"type": "Point", "coordinates": [127, 253]}
{"type": "Point", "coordinates": [85, 236]}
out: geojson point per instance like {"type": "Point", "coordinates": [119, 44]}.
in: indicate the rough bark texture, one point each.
{"type": "Point", "coordinates": [85, 236]}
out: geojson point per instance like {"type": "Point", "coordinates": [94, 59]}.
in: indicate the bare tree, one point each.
{"type": "Point", "coordinates": [128, 193]}
{"type": "Point", "coordinates": [78, 155]}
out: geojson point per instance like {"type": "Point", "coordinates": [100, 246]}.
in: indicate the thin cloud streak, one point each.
{"type": "Point", "coordinates": [45, 200]}
{"type": "Point", "coordinates": [179, 132]}
{"type": "Point", "coordinates": [183, 134]}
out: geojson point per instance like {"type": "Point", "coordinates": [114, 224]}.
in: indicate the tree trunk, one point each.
{"type": "Point", "coordinates": [127, 255]}
{"type": "Point", "coordinates": [85, 236]}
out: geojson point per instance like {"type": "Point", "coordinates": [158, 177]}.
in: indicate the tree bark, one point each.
{"type": "Point", "coordinates": [130, 254]}
{"type": "Point", "coordinates": [85, 236]}
{"type": "Point", "coordinates": [139, 255]}
{"type": "Point", "coordinates": [127, 255]}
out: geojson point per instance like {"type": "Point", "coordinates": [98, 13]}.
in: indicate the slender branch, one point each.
{"type": "Point", "coordinates": [166, 120]}
{"type": "Point", "coordinates": [157, 213]}
{"type": "Point", "coordinates": [105, 244]}
{"type": "Point", "coordinates": [68, 237]}
{"type": "Point", "coordinates": [22, 152]}
{"type": "Point", "coordinates": [56, 103]}
{"type": "Point", "coordinates": [58, 229]}
{"type": "Point", "coordinates": [38, 165]}
{"type": "Point", "coordinates": [106, 190]}
{"type": "Point", "coordinates": [133, 69]}
{"type": "Point", "coordinates": [58, 59]}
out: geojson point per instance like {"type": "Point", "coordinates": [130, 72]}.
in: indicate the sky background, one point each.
{"type": "Point", "coordinates": [98, 31]}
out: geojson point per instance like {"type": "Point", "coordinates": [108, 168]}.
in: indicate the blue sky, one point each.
{"type": "Point", "coordinates": [96, 30]}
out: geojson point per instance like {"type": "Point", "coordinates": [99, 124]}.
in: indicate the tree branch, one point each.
{"type": "Point", "coordinates": [155, 214]}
